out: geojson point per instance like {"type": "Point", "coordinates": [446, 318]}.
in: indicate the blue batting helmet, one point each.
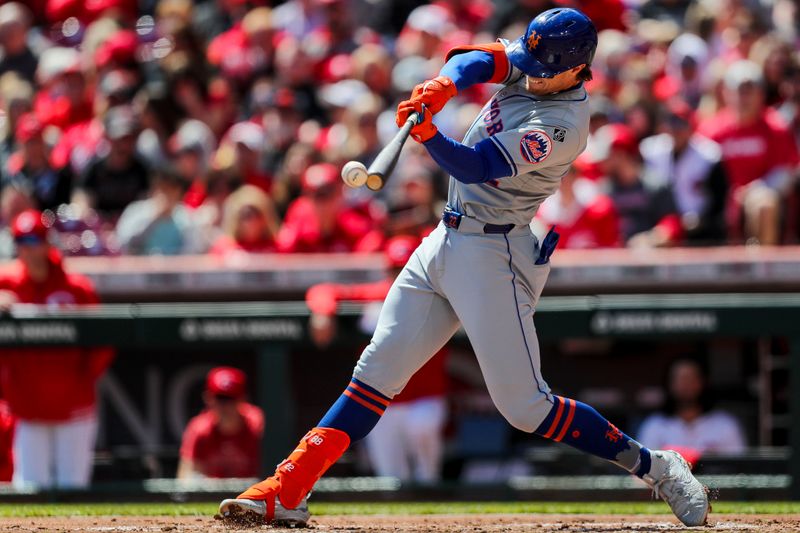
{"type": "Point", "coordinates": [555, 41]}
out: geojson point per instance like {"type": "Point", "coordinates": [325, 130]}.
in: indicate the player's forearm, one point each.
{"type": "Point", "coordinates": [469, 68]}
{"type": "Point", "coordinates": [467, 164]}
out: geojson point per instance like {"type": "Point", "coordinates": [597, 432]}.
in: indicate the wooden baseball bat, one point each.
{"type": "Point", "coordinates": [380, 169]}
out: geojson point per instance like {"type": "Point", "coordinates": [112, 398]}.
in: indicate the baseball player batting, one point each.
{"type": "Point", "coordinates": [483, 269]}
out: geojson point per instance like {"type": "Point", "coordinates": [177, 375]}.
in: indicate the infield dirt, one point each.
{"type": "Point", "coordinates": [419, 523]}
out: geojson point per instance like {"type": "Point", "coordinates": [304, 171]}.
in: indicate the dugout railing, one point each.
{"type": "Point", "coordinates": [271, 328]}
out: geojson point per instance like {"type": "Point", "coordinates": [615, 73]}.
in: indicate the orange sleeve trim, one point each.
{"type": "Point", "coordinates": [363, 403]}
{"type": "Point", "coordinates": [557, 419]}
{"type": "Point", "coordinates": [570, 416]}
{"type": "Point", "coordinates": [502, 67]}
{"type": "Point", "coordinates": [369, 395]}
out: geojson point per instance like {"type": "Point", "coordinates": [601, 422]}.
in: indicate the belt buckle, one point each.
{"type": "Point", "coordinates": [451, 219]}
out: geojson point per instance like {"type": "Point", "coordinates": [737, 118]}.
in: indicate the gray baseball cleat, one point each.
{"type": "Point", "coordinates": [254, 512]}
{"type": "Point", "coordinates": [671, 479]}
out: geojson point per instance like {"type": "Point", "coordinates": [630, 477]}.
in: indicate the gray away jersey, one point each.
{"type": "Point", "coordinates": [539, 136]}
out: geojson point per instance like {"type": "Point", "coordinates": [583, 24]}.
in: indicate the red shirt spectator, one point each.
{"type": "Point", "coordinates": [759, 154]}
{"type": "Point", "coordinates": [319, 221]}
{"type": "Point", "coordinates": [247, 48]}
{"type": "Point", "coordinates": [63, 99]}
{"type": "Point", "coordinates": [241, 151]}
{"type": "Point", "coordinates": [750, 151]}
{"type": "Point", "coordinates": [249, 221]}
{"type": "Point", "coordinates": [56, 383]}
{"type": "Point", "coordinates": [225, 440]}
{"type": "Point", "coordinates": [584, 218]}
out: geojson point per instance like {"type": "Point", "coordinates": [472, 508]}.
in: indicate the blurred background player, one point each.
{"type": "Point", "coordinates": [689, 421]}
{"type": "Point", "coordinates": [51, 391]}
{"type": "Point", "coordinates": [408, 442]}
{"type": "Point", "coordinates": [7, 424]}
{"type": "Point", "coordinates": [225, 439]}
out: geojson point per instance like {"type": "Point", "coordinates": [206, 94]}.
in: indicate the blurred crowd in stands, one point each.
{"type": "Point", "coordinates": [192, 126]}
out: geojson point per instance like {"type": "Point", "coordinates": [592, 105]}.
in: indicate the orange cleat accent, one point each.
{"type": "Point", "coordinates": [296, 476]}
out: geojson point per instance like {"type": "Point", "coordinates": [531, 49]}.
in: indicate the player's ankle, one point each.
{"type": "Point", "coordinates": [645, 462]}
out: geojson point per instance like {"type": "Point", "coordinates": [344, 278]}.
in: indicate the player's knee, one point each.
{"type": "Point", "coordinates": [378, 382]}
{"type": "Point", "coordinates": [527, 416]}
{"type": "Point", "coordinates": [377, 376]}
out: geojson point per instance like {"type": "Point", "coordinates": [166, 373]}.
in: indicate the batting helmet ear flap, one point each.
{"type": "Point", "coordinates": [555, 41]}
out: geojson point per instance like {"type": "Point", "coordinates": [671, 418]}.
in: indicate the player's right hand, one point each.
{"type": "Point", "coordinates": [424, 129]}
{"type": "Point", "coordinates": [433, 94]}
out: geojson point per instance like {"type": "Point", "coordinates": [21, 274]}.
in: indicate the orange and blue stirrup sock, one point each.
{"type": "Point", "coordinates": [356, 411]}
{"type": "Point", "coordinates": [582, 427]}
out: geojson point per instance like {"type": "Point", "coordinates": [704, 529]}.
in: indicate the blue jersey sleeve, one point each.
{"type": "Point", "coordinates": [469, 68]}
{"type": "Point", "coordinates": [477, 164]}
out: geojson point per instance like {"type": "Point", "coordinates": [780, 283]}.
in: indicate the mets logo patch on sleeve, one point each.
{"type": "Point", "coordinates": [535, 146]}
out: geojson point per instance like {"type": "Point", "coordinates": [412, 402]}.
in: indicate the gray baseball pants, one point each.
{"type": "Point", "coordinates": [489, 283]}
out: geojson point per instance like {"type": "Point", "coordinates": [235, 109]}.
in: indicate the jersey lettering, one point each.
{"type": "Point", "coordinates": [494, 124]}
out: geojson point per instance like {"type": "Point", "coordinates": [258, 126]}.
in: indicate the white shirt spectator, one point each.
{"type": "Point", "coordinates": [686, 175]}
{"type": "Point", "coordinates": [715, 431]}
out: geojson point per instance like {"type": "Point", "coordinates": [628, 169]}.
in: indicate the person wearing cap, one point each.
{"type": "Point", "coordinates": [224, 441]}
{"type": "Point", "coordinates": [50, 390]}
{"type": "Point", "coordinates": [759, 154]}
{"type": "Point", "coordinates": [690, 165]}
{"type": "Point", "coordinates": [685, 72]}
{"type": "Point", "coordinates": [62, 99]}
{"type": "Point", "coordinates": [118, 51]}
{"type": "Point", "coordinates": [646, 208]}
{"type": "Point", "coordinates": [116, 176]}
{"type": "Point", "coordinates": [30, 169]}
{"type": "Point", "coordinates": [319, 221]}
{"type": "Point", "coordinates": [241, 151]}
{"type": "Point", "coordinates": [191, 149]}
{"type": "Point", "coordinates": [408, 442]}
{"type": "Point", "coordinates": [246, 49]}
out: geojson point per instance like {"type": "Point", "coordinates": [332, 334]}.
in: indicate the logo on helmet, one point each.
{"type": "Point", "coordinates": [533, 40]}
{"type": "Point", "coordinates": [535, 146]}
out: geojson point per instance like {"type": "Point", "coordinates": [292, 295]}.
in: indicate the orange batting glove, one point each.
{"type": "Point", "coordinates": [424, 129]}
{"type": "Point", "coordinates": [433, 93]}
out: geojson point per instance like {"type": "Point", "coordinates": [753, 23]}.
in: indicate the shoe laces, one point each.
{"type": "Point", "coordinates": [657, 485]}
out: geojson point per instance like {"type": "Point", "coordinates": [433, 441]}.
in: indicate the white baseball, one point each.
{"type": "Point", "coordinates": [354, 174]}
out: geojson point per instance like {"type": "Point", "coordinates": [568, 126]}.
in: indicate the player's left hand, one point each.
{"type": "Point", "coordinates": [433, 94]}
{"type": "Point", "coordinates": [424, 129]}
